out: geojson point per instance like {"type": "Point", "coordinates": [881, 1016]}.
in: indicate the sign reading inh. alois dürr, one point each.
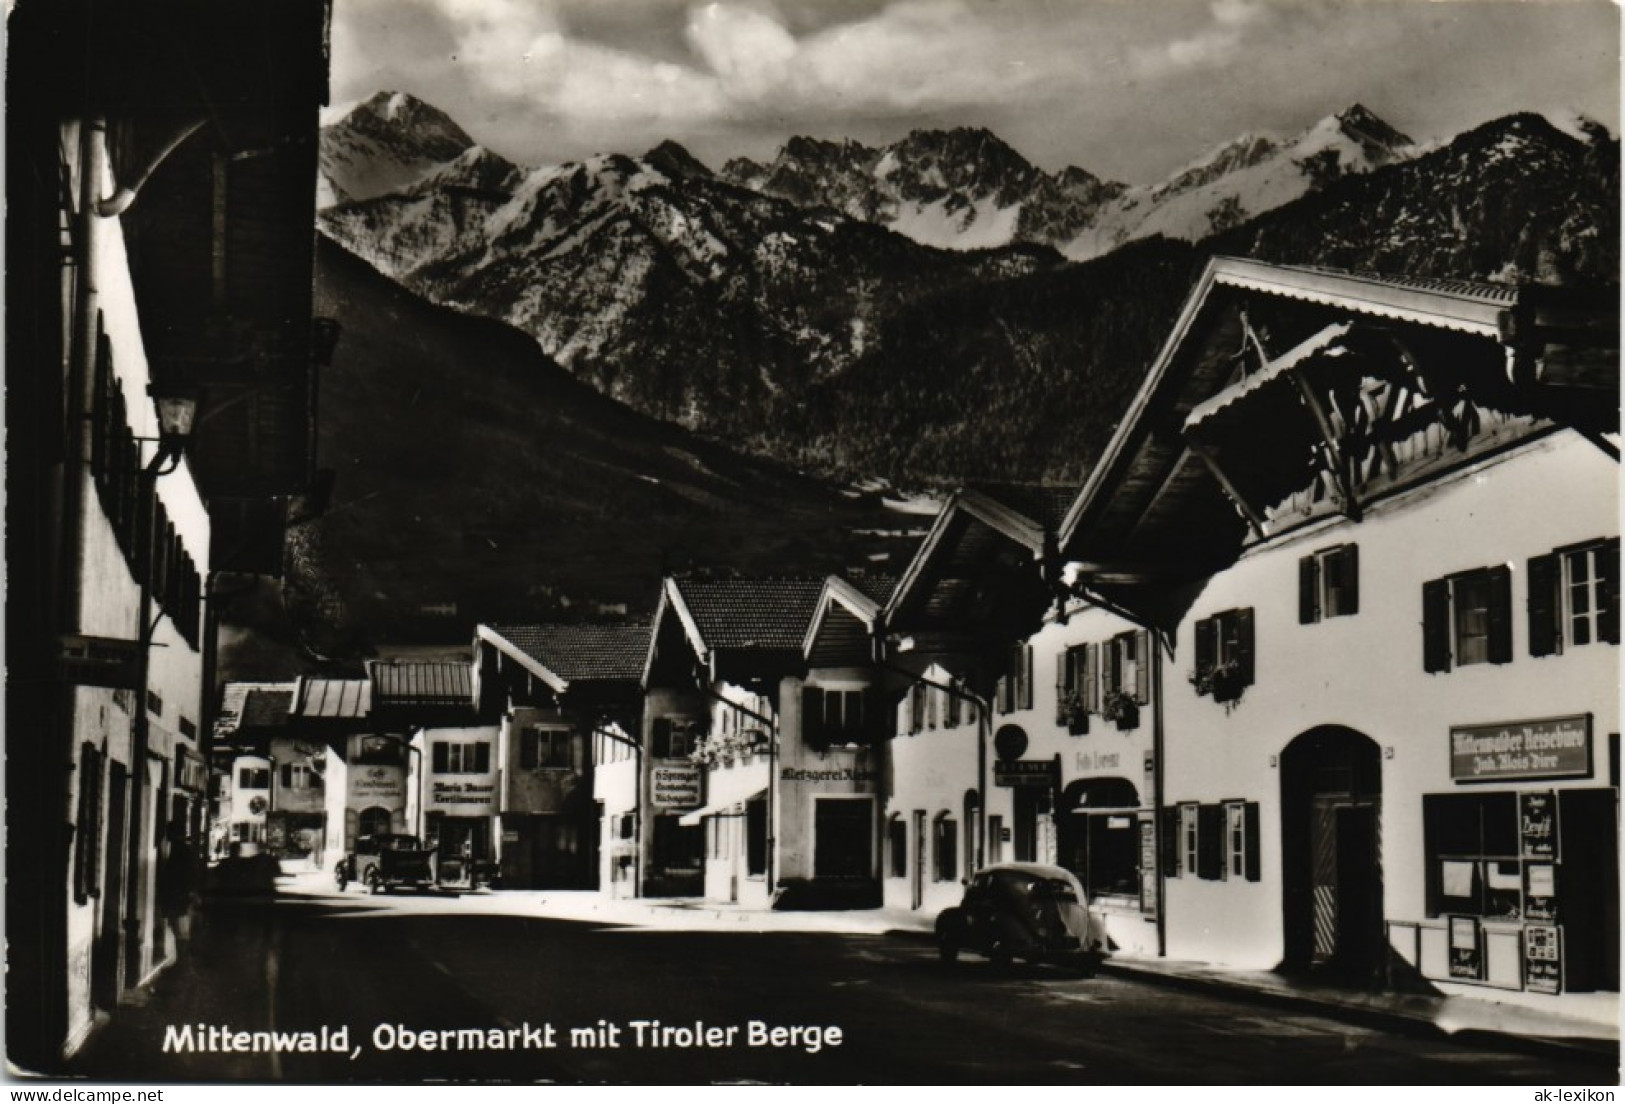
{"type": "Point", "coordinates": [1549, 748]}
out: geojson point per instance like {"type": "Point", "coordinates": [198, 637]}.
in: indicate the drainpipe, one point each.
{"type": "Point", "coordinates": [81, 388]}
{"type": "Point", "coordinates": [1158, 821]}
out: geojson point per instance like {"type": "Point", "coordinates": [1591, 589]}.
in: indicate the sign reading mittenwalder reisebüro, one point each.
{"type": "Point", "coordinates": [1554, 747]}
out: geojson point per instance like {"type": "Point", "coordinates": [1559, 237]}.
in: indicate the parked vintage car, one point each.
{"type": "Point", "coordinates": [383, 862]}
{"type": "Point", "coordinates": [1029, 911]}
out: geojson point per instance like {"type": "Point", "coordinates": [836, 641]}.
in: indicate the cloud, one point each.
{"type": "Point", "coordinates": [749, 52]}
{"type": "Point", "coordinates": [1215, 44]}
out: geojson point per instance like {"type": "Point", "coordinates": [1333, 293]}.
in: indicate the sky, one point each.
{"type": "Point", "coordinates": [1128, 89]}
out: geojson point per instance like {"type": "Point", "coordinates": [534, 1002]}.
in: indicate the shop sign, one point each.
{"type": "Point", "coordinates": [1026, 772]}
{"type": "Point", "coordinates": [1537, 820]}
{"type": "Point", "coordinates": [1148, 867]}
{"type": "Point", "coordinates": [1465, 960]}
{"type": "Point", "coordinates": [99, 661]}
{"type": "Point", "coordinates": [1540, 892]}
{"type": "Point", "coordinates": [675, 786]}
{"type": "Point", "coordinates": [377, 784]}
{"type": "Point", "coordinates": [1556, 747]}
{"type": "Point", "coordinates": [1010, 742]}
{"type": "Point", "coordinates": [462, 793]}
{"type": "Point", "coordinates": [1543, 958]}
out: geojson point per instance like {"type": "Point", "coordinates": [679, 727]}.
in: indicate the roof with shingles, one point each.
{"type": "Point", "coordinates": [427, 682]}
{"type": "Point", "coordinates": [266, 708]}
{"type": "Point", "coordinates": [234, 698]}
{"type": "Point", "coordinates": [582, 653]}
{"type": "Point", "coordinates": [764, 613]}
{"type": "Point", "coordinates": [876, 588]}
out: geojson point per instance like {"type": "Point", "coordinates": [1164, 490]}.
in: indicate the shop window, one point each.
{"type": "Point", "coordinates": [1329, 584]}
{"type": "Point", "coordinates": [675, 847]}
{"type": "Point", "coordinates": [897, 847]}
{"type": "Point", "coordinates": [945, 848]}
{"type": "Point", "coordinates": [1224, 654]}
{"type": "Point", "coordinates": [545, 749]}
{"type": "Point", "coordinates": [1241, 858]}
{"type": "Point", "coordinates": [1110, 863]}
{"type": "Point", "coordinates": [1473, 852]}
{"type": "Point", "coordinates": [1014, 690]}
{"type": "Point", "coordinates": [1467, 619]}
{"type": "Point", "coordinates": [1574, 598]}
{"type": "Point", "coordinates": [453, 758]}
{"type": "Point", "coordinates": [253, 778]}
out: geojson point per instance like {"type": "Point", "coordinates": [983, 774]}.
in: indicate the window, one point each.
{"type": "Point", "coordinates": [834, 716]}
{"type": "Point", "coordinates": [945, 846]}
{"type": "Point", "coordinates": [916, 708]}
{"type": "Point", "coordinates": [1077, 689]}
{"type": "Point", "coordinates": [675, 737]}
{"type": "Point", "coordinates": [1224, 654]}
{"type": "Point", "coordinates": [545, 749]}
{"type": "Point", "coordinates": [253, 778]}
{"type": "Point", "coordinates": [1014, 691]}
{"type": "Point", "coordinates": [1329, 584]}
{"type": "Point", "coordinates": [450, 758]}
{"type": "Point", "coordinates": [1241, 840]}
{"type": "Point", "coordinates": [897, 847]}
{"type": "Point", "coordinates": [300, 776]}
{"type": "Point", "coordinates": [995, 839]}
{"type": "Point", "coordinates": [1467, 619]}
{"type": "Point", "coordinates": [1126, 666]}
{"type": "Point", "coordinates": [1574, 598]}
{"type": "Point", "coordinates": [952, 710]}
{"type": "Point", "coordinates": [87, 840]}
{"type": "Point", "coordinates": [1189, 832]}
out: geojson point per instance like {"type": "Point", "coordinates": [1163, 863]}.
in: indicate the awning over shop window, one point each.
{"type": "Point", "coordinates": [735, 807]}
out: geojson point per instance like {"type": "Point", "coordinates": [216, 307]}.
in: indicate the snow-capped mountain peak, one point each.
{"type": "Point", "coordinates": [386, 143]}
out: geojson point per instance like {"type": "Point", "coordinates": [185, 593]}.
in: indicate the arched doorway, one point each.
{"type": "Point", "coordinates": [1331, 856]}
{"type": "Point", "coordinates": [374, 821]}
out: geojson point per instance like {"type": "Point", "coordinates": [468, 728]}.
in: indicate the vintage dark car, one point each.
{"type": "Point", "coordinates": [1029, 911]}
{"type": "Point", "coordinates": [385, 862]}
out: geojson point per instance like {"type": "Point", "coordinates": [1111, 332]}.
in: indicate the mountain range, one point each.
{"type": "Point", "coordinates": [558, 382]}
{"type": "Point", "coordinates": [781, 309]}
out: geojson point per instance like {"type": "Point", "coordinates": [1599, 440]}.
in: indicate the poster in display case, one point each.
{"type": "Point", "coordinates": [1543, 958]}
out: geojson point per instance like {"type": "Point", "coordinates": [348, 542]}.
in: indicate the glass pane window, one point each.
{"type": "Point", "coordinates": [1580, 591]}
{"type": "Point", "coordinates": [1470, 599]}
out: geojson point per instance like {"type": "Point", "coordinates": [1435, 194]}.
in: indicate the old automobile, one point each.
{"type": "Point", "coordinates": [1029, 911]}
{"type": "Point", "coordinates": [384, 862]}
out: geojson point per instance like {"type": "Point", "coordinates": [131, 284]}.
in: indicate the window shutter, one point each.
{"type": "Point", "coordinates": [1091, 678]}
{"type": "Point", "coordinates": [1064, 678]}
{"type": "Point", "coordinates": [659, 736]}
{"type": "Point", "coordinates": [1026, 684]}
{"type": "Point", "coordinates": [1545, 575]}
{"type": "Point", "coordinates": [1249, 815]}
{"type": "Point", "coordinates": [1244, 644]}
{"type": "Point", "coordinates": [1169, 851]}
{"type": "Point", "coordinates": [1351, 576]}
{"type": "Point", "coordinates": [1436, 625]}
{"type": "Point", "coordinates": [1207, 644]}
{"type": "Point", "coordinates": [1500, 614]}
{"type": "Point", "coordinates": [1608, 592]}
{"type": "Point", "coordinates": [1308, 590]}
{"type": "Point", "coordinates": [1143, 659]}
{"type": "Point", "coordinates": [1210, 842]}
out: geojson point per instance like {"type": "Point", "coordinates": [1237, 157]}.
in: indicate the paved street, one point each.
{"type": "Point", "coordinates": [377, 968]}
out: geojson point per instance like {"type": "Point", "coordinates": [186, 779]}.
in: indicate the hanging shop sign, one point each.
{"type": "Point", "coordinates": [99, 661]}
{"type": "Point", "coordinates": [1554, 747]}
{"type": "Point", "coordinates": [675, 786]}
{"type": "Point", "coordinates": [1010, 742]}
